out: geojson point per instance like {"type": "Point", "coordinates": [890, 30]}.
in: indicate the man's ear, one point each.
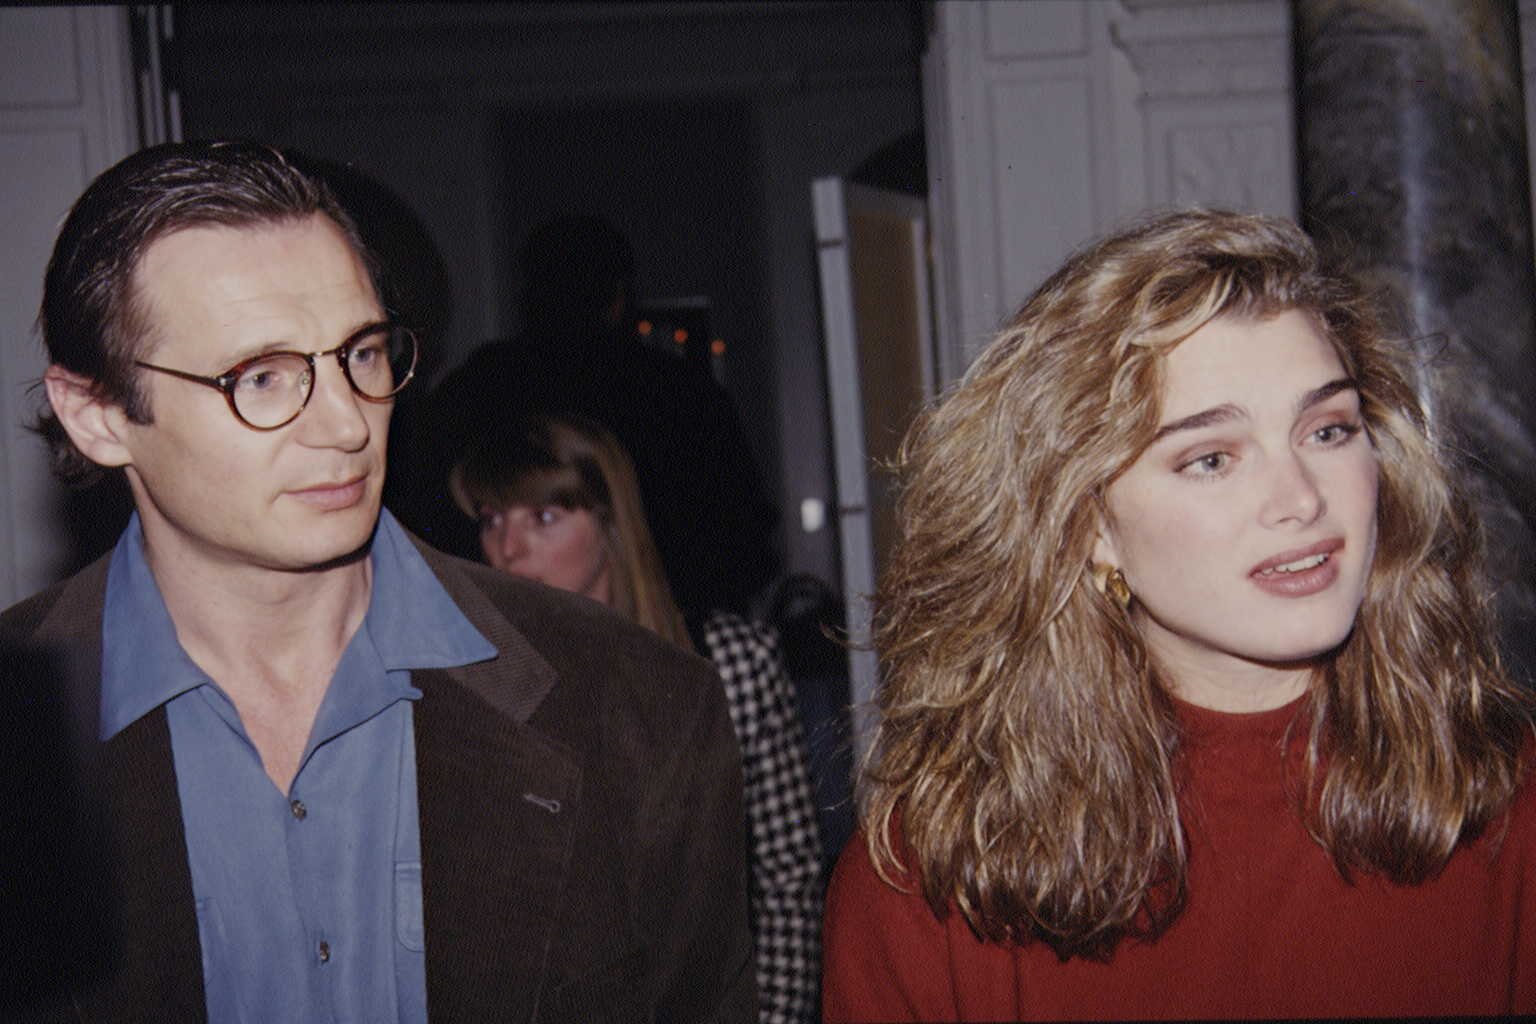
{"type": "Point", "coordinates": [92, 422]}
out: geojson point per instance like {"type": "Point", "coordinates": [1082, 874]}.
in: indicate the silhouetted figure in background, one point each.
{"type": "Point", "coordinates": [578, 355]}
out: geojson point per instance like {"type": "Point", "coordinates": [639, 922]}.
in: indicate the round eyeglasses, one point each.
{"type": "Point", "coordinates": [270, 390]}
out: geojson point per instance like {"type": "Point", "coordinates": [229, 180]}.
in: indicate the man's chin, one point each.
{"type": "Point", "coordinates": [345, 551]}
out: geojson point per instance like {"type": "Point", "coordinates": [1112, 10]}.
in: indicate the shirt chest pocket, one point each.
{"type": "Point", "coordinates": [408, 915]}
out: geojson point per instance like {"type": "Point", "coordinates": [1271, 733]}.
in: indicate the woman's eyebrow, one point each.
{"type": "Point", "coordinates": [1326, 392]}
{"type": "Point", "coordinates": [1228, 412]}
{"type": "Point", "coordinates": [1208, 417]}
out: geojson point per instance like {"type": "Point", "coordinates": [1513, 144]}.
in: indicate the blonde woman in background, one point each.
{"type": "Point", "coordinates": [557, 502]}
{"type": "Point", "coordinates": [1191, 706]}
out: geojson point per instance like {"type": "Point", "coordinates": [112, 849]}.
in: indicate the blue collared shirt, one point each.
{"type": "Point", "coordinates": [308, 902]}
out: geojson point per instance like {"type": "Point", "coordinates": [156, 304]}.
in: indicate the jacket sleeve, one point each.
{"type": "Point", "coordinates": [695, 889]}
{"type": "Point", "coordinates": [785, 849]}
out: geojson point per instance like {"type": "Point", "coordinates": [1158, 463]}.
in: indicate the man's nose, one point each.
{"type": "Point", "coordinates": [334, 416]}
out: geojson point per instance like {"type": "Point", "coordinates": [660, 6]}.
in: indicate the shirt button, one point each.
{"type": "Point", "coordinates": [298, 809]}
{"type": "Point", "coordinates": [325, 952]}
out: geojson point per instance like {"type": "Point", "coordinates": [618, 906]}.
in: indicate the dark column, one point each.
{"type": "Point", "coordinates": [1411, 120]}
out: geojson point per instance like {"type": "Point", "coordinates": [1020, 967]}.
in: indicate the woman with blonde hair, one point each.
{"type": "Point", "coordinates": [1191, 705]}
{"type": "Point", "coordinates": [557, 501]}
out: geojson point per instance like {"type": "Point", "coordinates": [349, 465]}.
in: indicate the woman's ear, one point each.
{"type": "Point", "coordinates": [94, 423]}
{"type": "Point", "coordinates": [1105, 552]}
{"type": "Point", "coordinates": [1105, 565]}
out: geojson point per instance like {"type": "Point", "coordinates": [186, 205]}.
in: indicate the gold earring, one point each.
{"type": "Point", "coordinates": [1118, 590]}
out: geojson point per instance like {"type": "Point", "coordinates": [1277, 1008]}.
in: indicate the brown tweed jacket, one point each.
{"type": "Point", "coordinates": [581, 824]}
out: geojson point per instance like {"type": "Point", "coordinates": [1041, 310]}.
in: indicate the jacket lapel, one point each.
{"type": "Point", "coordinates": [498, 802]}
{"type": "Point", "coordinates": [146, 962]}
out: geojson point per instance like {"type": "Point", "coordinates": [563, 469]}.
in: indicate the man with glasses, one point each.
{"type": "Point", "coordinates": [326, 773]}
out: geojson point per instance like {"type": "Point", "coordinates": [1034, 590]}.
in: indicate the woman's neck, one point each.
{"type": "Point", "coordinates": [1221, 682]}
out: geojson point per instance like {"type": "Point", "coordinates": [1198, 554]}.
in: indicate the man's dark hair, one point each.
{"type": "Point", "coordinates": [93, 320]}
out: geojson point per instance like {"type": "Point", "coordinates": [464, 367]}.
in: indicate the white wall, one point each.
{"type": "Point", "coordinates": [66, 113]}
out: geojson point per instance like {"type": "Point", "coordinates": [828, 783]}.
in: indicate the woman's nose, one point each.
{"type": "Point", "coordinates": [514, 541]}
{"type": "Point", "coordinates": [504, 541]}
{"type": "Point", "coordinates": [1294, 495]}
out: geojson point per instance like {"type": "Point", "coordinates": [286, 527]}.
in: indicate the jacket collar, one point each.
{"type": "Point", "coordinates": [516, 682]}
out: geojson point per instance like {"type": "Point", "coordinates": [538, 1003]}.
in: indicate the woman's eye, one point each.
{"type": "Point", "coordinates": [1206, 465]}
{"type": "Point", "coordinates": [549, 515]}
{"type": "Point", "coordinates": [1335, 433]}
{"type": "Point", "coordinates": [490, 521]}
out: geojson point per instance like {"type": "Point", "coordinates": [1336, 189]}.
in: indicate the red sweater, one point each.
{"type": "Point", "coordinates": [1270, 929]}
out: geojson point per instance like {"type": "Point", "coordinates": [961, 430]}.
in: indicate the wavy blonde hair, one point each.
{"type": "Point", "coordinates": [576, 463]}
{"type": "Point", "coordinates": [1025, 762]}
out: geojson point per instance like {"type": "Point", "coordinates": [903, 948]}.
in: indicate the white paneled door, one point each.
{"type": "Point", "coordinates": [877, 322]}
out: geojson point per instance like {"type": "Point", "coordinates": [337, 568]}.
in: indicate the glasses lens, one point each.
{"type": "Point", "coordinates": [381, 362]}
{"type": "Point", "coordinates": [271, 391]}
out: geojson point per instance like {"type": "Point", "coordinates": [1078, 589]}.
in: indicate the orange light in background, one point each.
{"type": "Point", "coordinates": [680, 336]}
{"type": "Point", "coordinates": [717, 347]}
{"type": "Point", "coordinates": [644, 328]}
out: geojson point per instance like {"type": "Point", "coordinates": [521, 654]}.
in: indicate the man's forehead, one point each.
{"type": "Point", "coordinates": [212, 236]}
{"type": "Point", "coordinates": [252, 270]}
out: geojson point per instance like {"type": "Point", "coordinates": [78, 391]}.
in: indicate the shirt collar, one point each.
{"type": "Point", "coordinates": [411, 619]}
{"type": "Point", "coordinates": [411, 623]}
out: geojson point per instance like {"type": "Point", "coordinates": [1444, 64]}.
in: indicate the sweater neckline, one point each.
{"type": "Point", "coordinates": [1206, 725]}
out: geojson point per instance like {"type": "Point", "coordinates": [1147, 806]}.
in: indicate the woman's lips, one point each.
{"type": "Point", "coordinates": [333, 497]}
{"type": "Point", "coordinates": [1299, 573]}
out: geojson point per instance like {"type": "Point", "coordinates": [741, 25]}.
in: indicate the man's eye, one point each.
{"type": "Point", "coordinates": [368, 353]}
{"type": "Point", "coordinates": [274, 374]}
{"type": "Point", "coordinates": [262, 378]}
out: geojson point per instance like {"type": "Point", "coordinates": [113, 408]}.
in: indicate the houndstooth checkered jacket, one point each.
{"type": "Point", "coordinates": [783, 846]}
